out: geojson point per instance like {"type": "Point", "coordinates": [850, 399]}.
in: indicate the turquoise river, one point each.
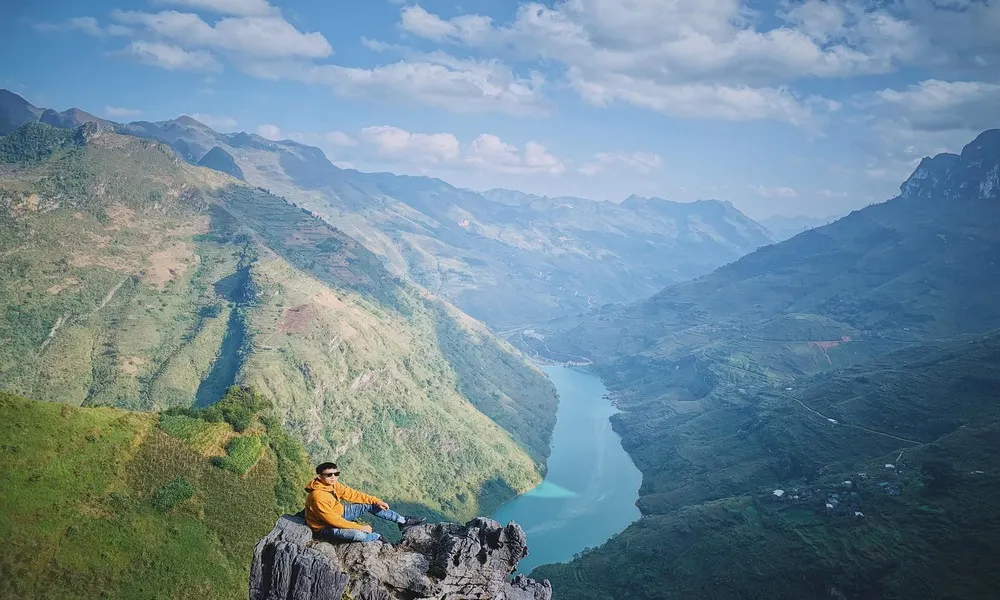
{"type": "Point", "coordinates": [591, 487]}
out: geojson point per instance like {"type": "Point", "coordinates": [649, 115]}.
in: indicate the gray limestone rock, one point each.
{"type": "Point", "coordinates": [445, 561]}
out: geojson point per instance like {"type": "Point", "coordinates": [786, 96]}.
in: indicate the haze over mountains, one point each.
{"type": "Point", "coordinates": [504, 257]}
{"type": "Point", "coordinates": [813, 418]}
{"type": "Point", "coordinates": [865, 349]}
{"type": "Point", "coordinates": [135, 280]}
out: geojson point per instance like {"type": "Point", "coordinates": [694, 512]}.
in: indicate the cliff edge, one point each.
{"type": "Point", "coordinates": [445, 561]}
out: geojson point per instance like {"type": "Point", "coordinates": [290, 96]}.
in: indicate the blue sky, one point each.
{"type": "Point", "coordinates": [795, 107]}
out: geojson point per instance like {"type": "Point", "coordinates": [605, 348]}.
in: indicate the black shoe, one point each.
{"type": "Point", "coordinates": [410, 522]}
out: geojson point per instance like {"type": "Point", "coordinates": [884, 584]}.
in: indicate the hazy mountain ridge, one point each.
{"type": "Point", "coordinates": [835, 352]}
{"type": "Point", "coordinates": [135, 280]}
{"type": "Point", "coordinates": [782, 227]}
{"type": "Point", "coordinates": [507, 262]}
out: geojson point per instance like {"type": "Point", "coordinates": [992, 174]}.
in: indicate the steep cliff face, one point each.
{"type": "Point", "coordinates": [441, 561]}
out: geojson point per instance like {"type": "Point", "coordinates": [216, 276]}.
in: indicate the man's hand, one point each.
{"type": "Point", "coordinates": [382, 505]}
{"type": "Point", "coordinates": [366, 528]}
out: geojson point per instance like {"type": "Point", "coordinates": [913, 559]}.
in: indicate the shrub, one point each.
{"type": "Point", "coordinates": [172, 494]}
{"type": "Point", "coordinates": [238, 407]}
{"type": "Point", "coordinates": [243, 454]}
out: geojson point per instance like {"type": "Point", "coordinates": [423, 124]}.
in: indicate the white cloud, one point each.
{"type": "Point", "coordinates": [117, 112]}
{"type": "Point", "coordinates": [245, 8]}
{"type": "Point", "coordinates": [832, 194]}
{"type": "Point", "coordinates": [935, 105]}
{"type": "Point", "coordinates": [717, 58]}
{"type": "Point", "coordinates": [271, 132]}
{"type": "Point", "coordinates": [88, 25]}
{"type": "Point", "coordinates": [687, 58]}
{"type": "Point", "coordinates": [775, 192]}
{"type": "Point", "coordinates": [268, 36]}
{"type": "Point", "coordinates": [385, 146]}
{"type": "Point", "coordinates": [489, 152]}
{"type": "Point", "coordinates": [642, 163]}
{"type": "Point", "coordinates": [459, 85]}
{"type": "Point", "coordinates": [924, 119]}
{"type": "Point", "coordinates": [418, 21]}
{"type": "Point", "coordinates": [695, 100]}
{"type": "Point", "coordinates": [169, 57]}
{"type": "Point", "coordinates": [215, 121]}
{"type": "Point", "coordinates": [395, 143]}
{"type": "Point", "coordinates": [339, 138]}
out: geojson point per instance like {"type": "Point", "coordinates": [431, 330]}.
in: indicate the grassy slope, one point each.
{"type": "Point", "coordinates": [145, 262]}
{"type": "Point", "coordinates": [101, 502]}
{"type": "Point", "coordinates": [719, 379]}
{"type": "Point", "coordinates": [685, 365]}
{"type": "Point", "coordinates": [921, 543]}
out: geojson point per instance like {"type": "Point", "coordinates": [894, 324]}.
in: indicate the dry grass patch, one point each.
{"type": "Point", "coordinates": [132, 364]}
{"type": "Point", "coordinates": [168, 265]}
{"type": "Point", "coordinates": [65, 284]}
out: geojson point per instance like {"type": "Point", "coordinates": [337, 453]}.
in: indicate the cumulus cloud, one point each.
{"type": "Point", "coordinates": [245, 8]}
{"type": "Point", "coordinates": [117, 112]}
{"type": "Point", "coordinates": [489, 152]}
{"type": "Point", "coordinates": [383, 146]}
{"type": "Point", "coordinates": [398, 144]}
{"type": "Point", "coordinates": [339, 138]}
{"type": "Point", "coordinates": [924, 119]}
{"type": "Point", "coordinates": [166, 56]}
{"type": "Point", "coordinates": [252, 36]}
{"type": "Point", "coordinates": [459, 85]}
{"type": "Point", "coordinates": [642, 163]}
{"type": "Point", "coordinates": [215, 121]}
{"type": "Point", "coordinates": [715, 58]}
{"type": "Point", "coordinates": [271, 132]}
{"type": "Point", "coordinates": [934, 105]}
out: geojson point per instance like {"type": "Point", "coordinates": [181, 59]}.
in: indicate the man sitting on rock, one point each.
{"type": "Point", "coordinates": [331, 521]}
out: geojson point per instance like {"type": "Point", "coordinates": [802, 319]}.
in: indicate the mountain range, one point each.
{"type": "Point", "coordinates": [822, 402]}
{"type": "Point", "coordinates": [504, 257]}
{"type": "Point", "coordinates": [136, 280]}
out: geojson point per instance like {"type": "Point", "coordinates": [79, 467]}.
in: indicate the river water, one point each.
{"type": "Point", "coordinates": [591, 487]}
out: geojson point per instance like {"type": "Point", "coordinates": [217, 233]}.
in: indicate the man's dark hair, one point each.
{"type": "Point", "coordinates": [324, 466]}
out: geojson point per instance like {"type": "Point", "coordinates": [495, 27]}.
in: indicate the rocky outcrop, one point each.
{"type": "Point", "coordinates": [445, 561]}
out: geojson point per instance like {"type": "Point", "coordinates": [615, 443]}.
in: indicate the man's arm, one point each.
{"type": "Point", "coordinates": [353, 495]}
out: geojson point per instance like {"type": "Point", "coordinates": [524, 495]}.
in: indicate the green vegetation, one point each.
{"type": "Point", "coordinates": [34, 141]}
{"type": "Point", "coordinates": [242, 454]}
{"type": "Point", "coordinates": [716, 530]}
{"type": "Point", "coordinates": [109, 503]}
{"type": "Point", "coordinates": [868, 342]}
{"type": "Point", "coordinates": [137, 281]}
{"type": "Point", "coordinates": [240, 407]}
{"type": "Point", "coordinates": [174, 493]}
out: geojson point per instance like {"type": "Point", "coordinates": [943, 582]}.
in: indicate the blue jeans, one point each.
{"type": "Point", "coordinates": [351, 513]}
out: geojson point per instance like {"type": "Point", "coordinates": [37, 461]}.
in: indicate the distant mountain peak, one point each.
{"type": "Point", "coordinates": [222, 161]}
{"type": "Point", "coordinates": [188, 121]}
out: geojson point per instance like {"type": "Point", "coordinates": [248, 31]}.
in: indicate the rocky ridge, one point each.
{"type": "Point", "coordinates": [442, 561]}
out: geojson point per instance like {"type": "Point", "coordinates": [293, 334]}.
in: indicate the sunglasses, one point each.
{"type": "Point", "coordinates": [331, 474]}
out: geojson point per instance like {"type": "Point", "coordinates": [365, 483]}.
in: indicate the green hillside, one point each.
{"type": "Point", "coordinates": [915, 269]}
{"type": "Point", "coordinates": [926, 526]}
{"type": "Point", "coordinates": [133, 279]}
{"type": "Point", "coordinates": [107, 503]}
{"type": "Point", "coordinates": [867, 342]}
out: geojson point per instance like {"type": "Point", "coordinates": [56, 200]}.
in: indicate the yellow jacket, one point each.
{"type": "Point", "coordinates": [323, 507]}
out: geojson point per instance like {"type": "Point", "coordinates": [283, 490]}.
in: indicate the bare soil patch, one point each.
{"type": "Point", "coordinates": [132, 364]}
{"type": "Point", "coordinates": [65, 284]}
{"type": "Point", "coordinates": [297, 318]}
{"type": "Point", "coordinates": [167, 265]}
